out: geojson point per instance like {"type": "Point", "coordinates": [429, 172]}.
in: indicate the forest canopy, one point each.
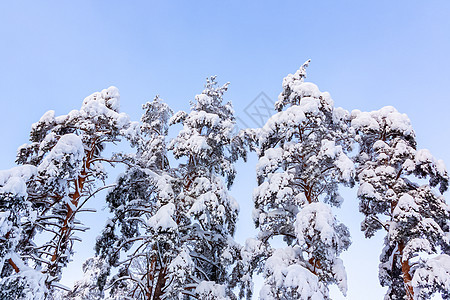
{"type": "Point", "coordinates": [172, 221]}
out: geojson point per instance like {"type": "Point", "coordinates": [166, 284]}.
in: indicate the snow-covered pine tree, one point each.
{"type": "Point", "coordinates": [415, 261]}
{"type": "Point", "coordinates": [65, 154]}
{"type": "Point", "coordinates": [176, 224]}
{"type": "Point", "coordinates": [143, 230]}
{"type": "Point", "coordinates": [206, 211]}
{"type": "Point", "coordinates": [210, 146]}
{"type": "Point", "coordinates": [302, 160]}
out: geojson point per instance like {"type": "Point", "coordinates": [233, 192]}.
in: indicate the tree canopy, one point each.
{"type": "Point", "coordinates": [170, 234]}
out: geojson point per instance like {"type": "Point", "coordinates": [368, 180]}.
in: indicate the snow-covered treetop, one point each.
{"type": "Point", "coordinates": [387, 118]}
{"type": "Point", "coordinates": [211, 99]}
{"type": "Point", "coordinates": [109, 98]}
{"type": "Point", "coordinates": [149, 135]}
{"type": "Point", "coordinates": [306, 141]}
{"type": "Point", "coordinates": [64, 154]}
{"type": "Point", "coordinates": [156, 117]}
{"type": "Point", "coordinates": [294, 88]}
{"type": "Point", "coordinates": [387, 135]}
{"type": "Point", "coordinates": [98, 119]}
{"type": "Point", "coordinates": [156, 207]}
{"type": "Point", "coordinates": [384, 124]}
{"type": "Point", "coordinates": [208, 137]}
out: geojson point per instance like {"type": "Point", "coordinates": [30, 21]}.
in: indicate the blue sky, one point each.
{"type": "Point", "coordinates": [367, 54]}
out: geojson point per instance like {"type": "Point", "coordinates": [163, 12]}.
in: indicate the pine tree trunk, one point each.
{"type": "Point", "coordinates": [15, 267]}
{"type": "Point", "coordinates": [406, 274]}
{"type": "Point", "coordinates": [65, 229]}
{"type": "Point", "coordinates": [160, 283]}
{"type": "Point", "coordinates": [10, 261]}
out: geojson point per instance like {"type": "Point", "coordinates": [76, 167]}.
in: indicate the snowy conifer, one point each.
{"type": "Point", "coordinates": [142, 202]}
{"type": "Point", "coordinates": [176, 224]}
{"type": "Point", "coordinates": [65, 156]}
{"type": "Point", "coordinates": [302, 160]}
{"type": "Point", "coordinates": [414, 261]}
{"type": "Point", "coordinates": [205, 209]}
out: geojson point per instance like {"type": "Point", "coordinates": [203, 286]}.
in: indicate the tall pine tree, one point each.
{"type": "Point", "coordinates": [176, 224]}
{"type": "Point", "coordinates": [209, 145]}
{"type": "Point", "coordinates": [142, 237]}
{"type": "Point", "coordinates": [65, 154]}
{"type": "Point", "coordinates": [414, 261]}
{"type": "Point", "coordinates": [302, 160]}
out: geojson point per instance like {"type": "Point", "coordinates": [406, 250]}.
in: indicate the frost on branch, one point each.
{"type": "Point", "coordinates": [29, 284]}
{"type": "Point", "coordinates": [210, 290]}
{"type": "Point", "coordinates": [162, 220]}
{"type": "Point", "coordinates": [64, 161]}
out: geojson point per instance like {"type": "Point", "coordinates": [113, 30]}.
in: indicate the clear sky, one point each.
{"type": "Point", "coordinates": [367, 54]}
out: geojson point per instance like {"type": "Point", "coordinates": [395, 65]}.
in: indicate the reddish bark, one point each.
{"type": "Point", "coordinates": [15, 267]}
{"type": "Point", "coordinates": [406, 273]}
{"type": "Point", "coordinates": [160, 283]}
{"type": "Point", "coordinates": [79, 185]}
